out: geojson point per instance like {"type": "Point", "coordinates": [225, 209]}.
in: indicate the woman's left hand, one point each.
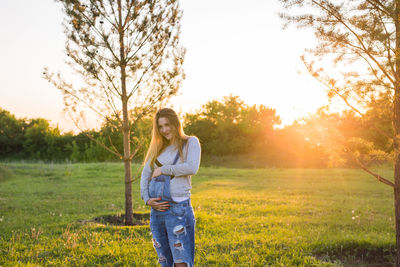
{"type": "Point", "coordinates": [156, 172]}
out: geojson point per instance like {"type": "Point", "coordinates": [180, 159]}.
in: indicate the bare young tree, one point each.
{"type": "Point", "coordinates": [129, 58]}
{"type": "Point", "coordinates": [362, 39]}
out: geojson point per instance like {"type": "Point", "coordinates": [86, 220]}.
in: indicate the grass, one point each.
{"type": "Point", "coordinates": [257, 217]}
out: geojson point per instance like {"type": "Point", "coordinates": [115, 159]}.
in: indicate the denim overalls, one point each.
{"type": "Point", "coordinates": [173, 229]}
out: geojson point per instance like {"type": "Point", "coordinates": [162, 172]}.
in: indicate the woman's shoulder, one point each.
{"type": "Point", "coordinates": [193, 140]}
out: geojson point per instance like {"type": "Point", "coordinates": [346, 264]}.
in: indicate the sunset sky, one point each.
{"type": "Point", "coordinates": [233, 47]}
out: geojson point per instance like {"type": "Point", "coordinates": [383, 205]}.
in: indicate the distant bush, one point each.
{"type": "Point", "coordinates": [231, 133]}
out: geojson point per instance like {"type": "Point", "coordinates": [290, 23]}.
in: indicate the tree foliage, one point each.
{"type": "Point", "coordinates": [230, 126]}
{"type": "Point", "coordinates": [309, 142]}
{"type": "Point", "coordinates": [132, 47]}
{"type": "Point", "coordinates": [11, 134]}
{"type": "Point", "coordinates": [362, 40]}
{"type": "Point", "coordinates": [128, 56]}
{"type": "Point", "coordinates": [355, 59]}
{"type": "Point", "coordinates": [356, 37]}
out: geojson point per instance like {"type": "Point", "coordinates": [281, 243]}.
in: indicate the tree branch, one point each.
{"type": "Point", "coordinates": [356, 36]}
{"type": "Point", "coordinates": [380, 7]}
{"type": "Point", "coordinates": [63, 86]}
{"type": "Point", "coordinates": [388, 47]}
{"type": "Point", "coordinates": [332, 88]}
{"type": "Point", "coordinates": [377, 176]}
{"type": "Point", "coordinates": [94, 139]}
{"type": "Point", "coordinates": [136, 86]}
{"type": "Point", "coordinates": [85, 46]}
{"type": "Point", "coordinates": [100, 33]}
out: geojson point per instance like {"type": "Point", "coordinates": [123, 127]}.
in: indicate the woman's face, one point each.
{"type": "Point", "coordinates": [165, 128]}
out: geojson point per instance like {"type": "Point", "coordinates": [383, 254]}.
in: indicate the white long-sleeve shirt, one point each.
{"type": "Point", "coordinates": [182, 170]}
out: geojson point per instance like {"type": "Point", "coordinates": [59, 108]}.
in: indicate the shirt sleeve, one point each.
{"type": "Point", "coordinates": [144, 182]}
{"type": "Point", "coordinates": [191, 165]}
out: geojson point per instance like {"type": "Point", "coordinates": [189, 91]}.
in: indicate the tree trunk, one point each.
{"type": "Point", "coordinates": [396, 127]}
{"type": "Point", "coordinates": [125, 123]}
{"type": "Point", "coordinates": [396, 124]}
{"type": "Point", "coordinates": [128, 182]}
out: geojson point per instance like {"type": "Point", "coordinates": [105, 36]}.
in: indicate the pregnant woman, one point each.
{"type": "Point", "coordinates": [171, 160]}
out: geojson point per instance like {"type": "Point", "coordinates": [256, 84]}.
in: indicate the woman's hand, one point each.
{"type": "Point", "coordinates": [156, 172]}
{"type": "Point", "coordinates": [160, 206]}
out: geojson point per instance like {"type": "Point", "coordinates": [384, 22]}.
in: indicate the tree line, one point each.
{"type": "Point", "coordinates": [227, 128]}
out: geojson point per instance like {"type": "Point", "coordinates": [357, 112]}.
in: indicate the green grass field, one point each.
{"type": "Point", "coordinates": [245, 217]}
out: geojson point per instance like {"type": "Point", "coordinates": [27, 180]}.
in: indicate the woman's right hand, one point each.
{"type": "Point", "coordinates": [160, 206]}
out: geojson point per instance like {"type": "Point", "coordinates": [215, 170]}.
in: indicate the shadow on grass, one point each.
{"type": "Point", "coordinates": [352, 253]}
{"type": "Point", "coordinates": [119, 219]}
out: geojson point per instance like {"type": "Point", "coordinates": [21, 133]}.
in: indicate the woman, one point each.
{"type": "Point", "coordinates": [172, 221]}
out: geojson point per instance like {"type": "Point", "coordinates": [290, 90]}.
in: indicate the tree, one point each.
{"type": "Point", "coordinates": [128, 56]}
{"type": "Point", "coordinates": [338, 133]}
{"type": "Point", "coordinates": [379, 114]}
{"type": "Point", "coordinates": [231, 127]}
{"type": "Point", "coordinates": [11, 134]}
{"type": "Point", "coordinates": [38, 138]}
{"type": "Point", "coordinates": [362, 38]}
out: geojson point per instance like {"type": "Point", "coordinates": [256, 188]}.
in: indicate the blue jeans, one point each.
{"type": "Point", "coordinates": [160, 187]}
{"type": "Point", "coordinates": [173, 233]}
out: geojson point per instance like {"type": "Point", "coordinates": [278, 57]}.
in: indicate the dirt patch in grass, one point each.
{"type": "Point", "coordinates": [359, 255]}
{"type": "Point", "coordinates": [119, 219]}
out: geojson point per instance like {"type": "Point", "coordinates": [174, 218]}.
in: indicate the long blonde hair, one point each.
{"type": "Point", "coordinates": [158, 142]}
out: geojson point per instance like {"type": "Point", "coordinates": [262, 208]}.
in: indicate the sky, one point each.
{"type": "Point", "coordinates": [233, 47]}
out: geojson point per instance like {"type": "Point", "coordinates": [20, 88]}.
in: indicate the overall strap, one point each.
{"type": "Point", "coordinates": [158, 163]}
